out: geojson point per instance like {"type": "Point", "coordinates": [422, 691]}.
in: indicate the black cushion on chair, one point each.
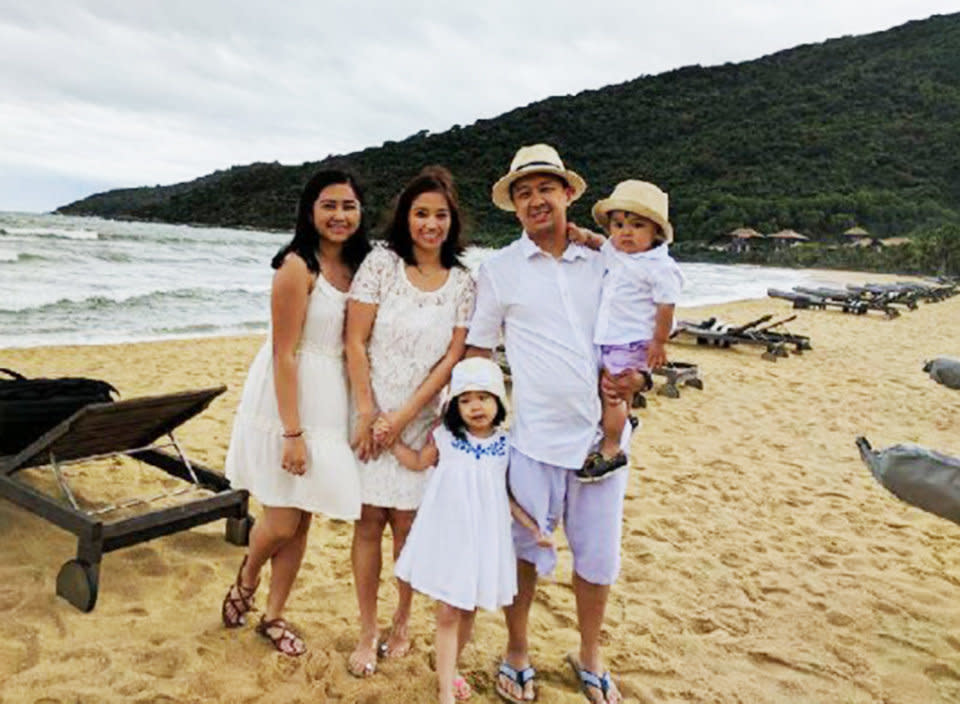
{"type": "Point", "coordinates": [31, 407]}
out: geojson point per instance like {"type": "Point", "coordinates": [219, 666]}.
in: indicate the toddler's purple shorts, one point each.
{"type": "Point", "coordinates": [617, 359]}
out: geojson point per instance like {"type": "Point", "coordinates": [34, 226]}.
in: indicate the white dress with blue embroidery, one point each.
{"type": "Point", "coordinates": [460, 550]}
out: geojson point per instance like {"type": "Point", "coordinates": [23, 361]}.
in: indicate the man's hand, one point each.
{"type": "Point", "coordinates": [621, 387]}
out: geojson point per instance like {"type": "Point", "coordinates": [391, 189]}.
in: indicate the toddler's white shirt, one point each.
{"type": "Point", "coordinates": [633, 285]}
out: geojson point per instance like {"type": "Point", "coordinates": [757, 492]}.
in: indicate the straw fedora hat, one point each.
{"type": "Point", "coordinates": [638, 197]}
{"type": "Point", "coordinates": [535, 159]}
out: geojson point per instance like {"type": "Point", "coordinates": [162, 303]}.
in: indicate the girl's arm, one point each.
{"type": "Point", "coordinates": [663, 325]}
{"type": "Point", "coordinates": [360, 319]}
{"type": "Point", "coordinates": [526, 520]}
{"type": "Point", "coordinates": [413, 460]}
{"type": "Point", "coordinates": [288, 308]}
{"type": "Point", "coordinates": [397, 420]}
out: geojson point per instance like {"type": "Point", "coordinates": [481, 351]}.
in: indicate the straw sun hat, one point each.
{"type": "Point", "coordinates": [535, 159]}
{"type": "Point", "coordinates": [638, 197]}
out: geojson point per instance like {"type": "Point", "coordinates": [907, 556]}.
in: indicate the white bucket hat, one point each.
{"type": "Point", "coordinates": [638, 197]}
{"type": "Point", "coordinates": [535, 159]}
{"type": "Point", "coordinates": [476, 374]}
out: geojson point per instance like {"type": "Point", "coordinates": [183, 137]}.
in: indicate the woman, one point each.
{"type": "Point", "coordinates": [290, 444]}
{"type": "Point", "coordinates": [407, 318]}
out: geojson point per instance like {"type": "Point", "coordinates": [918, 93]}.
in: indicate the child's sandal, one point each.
{"type": "Point", "coordinates": [283, 637]}
{"type": "Point", "coordinates": [238, 601]}
{"type": "Point", "coordinates": [462, 691]}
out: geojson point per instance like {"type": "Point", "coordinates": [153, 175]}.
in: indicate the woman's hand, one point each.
{"type": "Point", "coordinates": [388, 427]}
{"type": "Point", "coordinates": [294, 459]}
{"type": "Point", "coordinates": [362, 440]}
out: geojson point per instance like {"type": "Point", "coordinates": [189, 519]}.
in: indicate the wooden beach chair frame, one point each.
{"type": "Point", "coordinates": [131, 428]}
{"type": "Point", "coordinates": [754, 332]}
{"type": "Point", "coordinates": [677, 374]}
{"type": "Point", "coordinates": [804, 300]}
{"type": "Point", "coordinates": [871, 302]}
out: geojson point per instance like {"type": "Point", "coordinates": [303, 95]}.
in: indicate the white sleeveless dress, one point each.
{"type": "Point", "coordinates": [331, 484]}
{"type": "Point", "coordinates": [460, 548]}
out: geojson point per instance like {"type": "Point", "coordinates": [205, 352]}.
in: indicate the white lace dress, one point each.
{"type": "Point", "coordinates": [410, 334]}
{"type": "Point", "coordinates": [460, 549]}
{"type": "Point", "coordinates": [331, 484]}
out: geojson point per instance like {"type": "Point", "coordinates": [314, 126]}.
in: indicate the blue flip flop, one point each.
{"type": "Point", "coordinates": [587, 679]}
{"type": "Point", "coordinates": [519, 677]}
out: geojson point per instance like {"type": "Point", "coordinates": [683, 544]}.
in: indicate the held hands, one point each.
{"type": "Point", "coordinates": [387, 428]}
{"type": "Point", "coordinates": [362, 441]}
{"type": "Point", "coordinates": [294, 458]}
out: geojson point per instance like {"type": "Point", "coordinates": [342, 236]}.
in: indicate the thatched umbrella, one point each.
{"type": "Point", "coordinates": [744, 233]}
{"type": "Point", "coordinates": [857, 232]}
{"type": "Point", "coordinates": [791, 235]}
{"type": "Point", "coordinates": [741, 238]}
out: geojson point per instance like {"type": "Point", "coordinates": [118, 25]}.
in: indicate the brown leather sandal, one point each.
{"type": "Point", "coordinates": [239, 600]}
{"type": "Point", "coordinates": [283, 637]}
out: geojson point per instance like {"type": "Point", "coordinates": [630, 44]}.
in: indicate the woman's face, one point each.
{"type": "Point", "coordinates": [336, 212]}
{"type": "Point", "coordinates": [429, 221]}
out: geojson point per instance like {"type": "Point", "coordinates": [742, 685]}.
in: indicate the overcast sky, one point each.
{"type": "Point", "coordinates": [98, 94]}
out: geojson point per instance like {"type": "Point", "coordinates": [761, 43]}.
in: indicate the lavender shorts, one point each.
{"type": "Point", "coordinates": [617, 359]}
{"type": "Point", "coordinates": [591, 514]}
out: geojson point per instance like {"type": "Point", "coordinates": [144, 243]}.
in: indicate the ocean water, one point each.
{"type": "Point", "coordinates": [79, 280]}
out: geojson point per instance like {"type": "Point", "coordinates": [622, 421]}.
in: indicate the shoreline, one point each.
{"type": "Point", "coordinates": [819, 276]}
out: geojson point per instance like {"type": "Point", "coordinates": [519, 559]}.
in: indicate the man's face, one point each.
{"type": "Point", "coordinates": [541, 201]}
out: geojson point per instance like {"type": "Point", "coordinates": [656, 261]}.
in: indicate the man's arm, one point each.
{"type": "Point", "coordinates": [487, 320]}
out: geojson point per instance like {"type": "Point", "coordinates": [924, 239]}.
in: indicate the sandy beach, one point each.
{"type": "Point", "coordinates": [761, 562]}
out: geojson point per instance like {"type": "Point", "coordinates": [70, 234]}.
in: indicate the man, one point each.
{"type": "Point", "coordinates": [543, 293]}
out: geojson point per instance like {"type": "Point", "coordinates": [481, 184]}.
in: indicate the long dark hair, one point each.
{"type": "Point", "coordinates": [306, 239]}
{"type": "Point", "coordinates": [433, 179]}
{"type": "Point", "coordinates": [453, 421]}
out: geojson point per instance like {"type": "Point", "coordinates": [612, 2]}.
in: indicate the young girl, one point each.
{"type": "Point", "coordinates": [460, 549]}
{"type": "Point", "coordinates": [641, 286]}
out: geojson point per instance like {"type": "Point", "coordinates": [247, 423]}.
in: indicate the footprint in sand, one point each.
{"type": "Point", "coordinates": [148, 561]}
{"type": "Point", "coordinates": [10, 598]}
{"type": "Point", "coordinates": [164, 662]}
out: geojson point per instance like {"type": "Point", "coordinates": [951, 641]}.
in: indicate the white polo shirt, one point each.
{"type": "Point", "coordinates": [546, 308]}
{"type": "Point", "coordinates": [633, 286]}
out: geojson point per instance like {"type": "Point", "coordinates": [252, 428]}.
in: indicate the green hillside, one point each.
{"type": "Point", "coordinates": [859, 130]}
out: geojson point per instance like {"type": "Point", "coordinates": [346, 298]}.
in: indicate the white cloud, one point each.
{"type": "Point", "coordinates": [128, 93]}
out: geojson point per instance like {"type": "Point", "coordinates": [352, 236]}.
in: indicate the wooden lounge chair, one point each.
{"type": "Point", "coordinates": [893, 294]}
{"type": "Point", "coordinates": [756, 332]}
{"type": "Point", "coordinates": [843, 296]}
{"type": "Point", "coordinates": [804, 300]}
{"type": "Point", "coordinates": [132, 428]}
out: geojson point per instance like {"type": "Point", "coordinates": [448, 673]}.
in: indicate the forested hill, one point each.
{"type": "Point", "coordinates": [859, 130]}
